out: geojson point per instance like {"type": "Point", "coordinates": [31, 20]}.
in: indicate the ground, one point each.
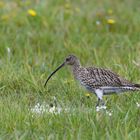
{"type": "Point", "coordinates": [35, 37]}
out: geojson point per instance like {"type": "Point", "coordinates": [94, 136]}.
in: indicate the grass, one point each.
{"type": "Point", "coordinates": [32, 46]}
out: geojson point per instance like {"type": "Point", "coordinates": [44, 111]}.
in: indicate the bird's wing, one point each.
{"type": "Point", "coordinates": [97, 77]}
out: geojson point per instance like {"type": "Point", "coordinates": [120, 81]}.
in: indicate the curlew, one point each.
{"type": "Point", "coordinates": [97, 80]}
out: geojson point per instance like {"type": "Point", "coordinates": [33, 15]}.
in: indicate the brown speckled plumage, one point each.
{"type": "Point", "coordinates": [98, 80]}
{"type": "Point", "coordinates": [98, 77]}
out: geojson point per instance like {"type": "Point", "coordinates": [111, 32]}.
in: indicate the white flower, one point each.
{"type": "Point", "coordinates": [98, 108]}
{"type": "Point", "coordinates": [52, 109]}
{"type": "Point", "coordinates": [138, 104]}
{"type": "Point", "coordinates": [103, 107]}
{"type": "Point", "coordinates": [109, 113]}
{"type": "Point", "coordinates": [45, 108]}
{"type": "Point", "coordinates": [98, 22]}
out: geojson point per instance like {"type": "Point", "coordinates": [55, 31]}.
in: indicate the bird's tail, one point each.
{"type": "Point", "coordinates": [134, 87]}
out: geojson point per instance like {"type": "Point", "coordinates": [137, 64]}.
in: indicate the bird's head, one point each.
{"type": "Point", "coordinates": [69, 60]}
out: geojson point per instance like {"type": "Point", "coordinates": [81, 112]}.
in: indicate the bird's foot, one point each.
{"type": "Point", "coordinates": [100, 105]}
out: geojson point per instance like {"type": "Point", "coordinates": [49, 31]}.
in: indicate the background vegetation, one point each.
{"type": "Point", "coordinates": [36, 36]}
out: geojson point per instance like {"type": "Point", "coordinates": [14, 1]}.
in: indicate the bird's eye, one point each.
{"type": "Point", "coordinates": [67, 59]}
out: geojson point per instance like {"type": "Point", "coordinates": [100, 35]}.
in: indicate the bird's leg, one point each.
{"type": "Point", "coordinates": [98, 102]}
{"type": "Point", "coordinates": [102, 103]}
{"type": "Point", "coordinates": [99, 94]}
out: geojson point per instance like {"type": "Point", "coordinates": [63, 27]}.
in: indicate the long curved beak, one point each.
{"type": "Point", "coordinates": [54, 73]}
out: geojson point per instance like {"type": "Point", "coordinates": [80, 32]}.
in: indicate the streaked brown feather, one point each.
{"type": "Point", "coordinates": [97, 77]}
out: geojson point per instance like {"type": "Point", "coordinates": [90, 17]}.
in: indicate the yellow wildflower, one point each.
{"type": "Point", "coordinates": [32, 12]}
{"type": "Point", "coordinates": [87, 95]}
{"type": "Point", "coordinates": [111, 21]}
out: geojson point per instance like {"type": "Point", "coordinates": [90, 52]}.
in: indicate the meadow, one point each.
{"type": "Point", "coordinates": [35, 37]}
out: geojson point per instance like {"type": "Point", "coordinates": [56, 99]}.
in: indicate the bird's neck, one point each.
{"type": "Point", "coordinates": [75, 69]}
{"type": "Point", "coordinates": [76, 65]}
